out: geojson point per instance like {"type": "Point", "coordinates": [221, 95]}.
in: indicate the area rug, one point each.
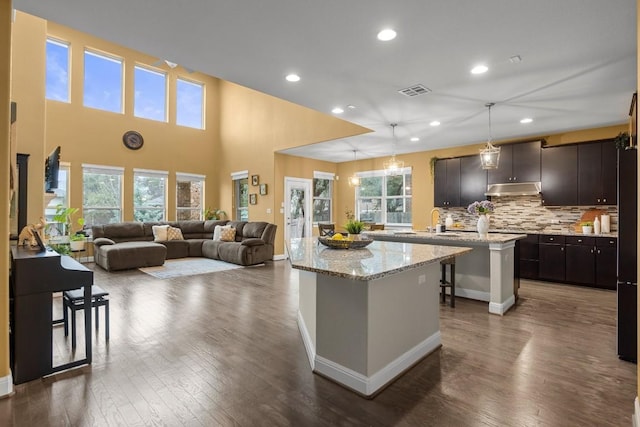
{"type": "Point", "coordinates": [188, 267]}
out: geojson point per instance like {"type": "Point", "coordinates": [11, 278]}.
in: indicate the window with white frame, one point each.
{"type": "Point", "coordinates": [57, 79]}
{"type": "Point", "coordinates": [322, 196]}
{"type": "Point", "coordinates": [60, 198]}
{"type": "Point", "coordinates": [149, 195]}
{"type": "Point", "coordinates": [102, 82]}
{"type": "Point", "coordinates": [189, 196]}
{"type": "Point", "coordinates": [189, 104]}
{"type": "Point", "coordinates": [240, 195]}
{"type": "Point", "coordinates": [384, 199]}
{"type": "Point", "coordinates": [101, 194]}
{"type": "Point", "coordinates": [150, 99]}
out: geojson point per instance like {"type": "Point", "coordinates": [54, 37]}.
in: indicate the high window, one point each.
{"type": "Point", "coordinates": [384, 199]}
{"type": "Point", "coordinates": [149, 195]}
{"type": "Point", "coordinates": [322, 195]}
{"type": "Point", "coordinates": [190, 196]}
{"type": "Point", "coordinates": [240, 195]}
{"type": "Point", "coordinates": [190, 104]}
{"type": "Point", "coordinates": [102, 82]}
{"type": "Point", "coordinates": [150, 100]}
{"type": "Point", "coordinates": [57, 80]}
{"type": "Point", "coordinates": [101, 194]}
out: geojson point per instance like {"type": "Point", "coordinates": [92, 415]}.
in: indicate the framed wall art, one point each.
{"type": "Point", "coordinates": [255, 179]}
{"type": "Point", "coordinates": [263, 189]}
{"type": "Point", "coordinates": [253, 199]}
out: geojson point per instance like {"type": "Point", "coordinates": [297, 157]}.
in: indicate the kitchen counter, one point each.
{"type": "Point", "coordinates": [533, 231]}
{"type": "Point", "coordinates": [485, 274]}
{"type": "Point", "coordinates": [367, 315]}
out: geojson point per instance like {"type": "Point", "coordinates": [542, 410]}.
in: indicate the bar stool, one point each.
{"type": "Point", "coordinates": [451, 262]}
{"type": "Point", "coordinates": [74, 301]}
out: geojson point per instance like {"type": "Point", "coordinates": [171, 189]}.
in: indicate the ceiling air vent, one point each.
{"type": "Point", "coordinates": [415, 90]}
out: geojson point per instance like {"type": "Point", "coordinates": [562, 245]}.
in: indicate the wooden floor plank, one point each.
{"type": "Point", "coordinates": [224, 349]}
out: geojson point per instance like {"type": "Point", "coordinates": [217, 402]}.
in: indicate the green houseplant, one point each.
{"type": "Point", "coordinates": [353, 226]}
{"type": "Point", "coordinates": [210, 214]}
{"type": "Point", "coordinates": [63, 217]}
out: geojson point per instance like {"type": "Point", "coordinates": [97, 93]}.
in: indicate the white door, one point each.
{"type": "Point", "coordinates": [297, 208]}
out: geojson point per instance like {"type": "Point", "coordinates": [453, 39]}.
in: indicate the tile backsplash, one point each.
{"type": "Point", "coordinates": [528, 213]}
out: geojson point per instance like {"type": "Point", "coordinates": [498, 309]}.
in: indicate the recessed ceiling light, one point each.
{"type": "Point", "coordinates": [526, 120]}
{"type": "Point", "coordinates": [414, 139]}
{"type": "Point", "coordinates": [293, 78]}
{"type": "Point", "coordinates": [386, 35]}
{"type": "Point", "coordinates": [515, 59]}
{"type": "Point", "coordinates": [351, 107]}
{"type": "Point", "coordinates": [479, 69]}
{"type": "Point", "coordinates": [434, 123]}
{"type": "Point", "coordinates": [337, 110]}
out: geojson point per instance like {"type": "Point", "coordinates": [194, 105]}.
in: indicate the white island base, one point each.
{"type": "Point", "coordinates": [365, 333]}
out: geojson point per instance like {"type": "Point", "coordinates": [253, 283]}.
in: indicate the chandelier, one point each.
{"type": "Point", "coordinates": [490, 155]}
{"type": "Point", "coordinates": [354, 180]}
{"type": "Point", "coordinates": [393, 166]}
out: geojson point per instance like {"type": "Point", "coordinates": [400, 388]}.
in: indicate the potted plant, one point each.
{"type": "Point", "coordinates": [63, 218]}
{"type": "Point", "coordinates": [622, 141]}
{"type": "Point", "coordinates": [77, 241]}
{"type": "Point", "coordinates": [587, 227]}
{"type": "Point", "coordinates": [353, 226]}
{"type": "Point", "coordinates": [210, 214]}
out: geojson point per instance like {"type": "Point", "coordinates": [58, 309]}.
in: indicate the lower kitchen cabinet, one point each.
{"type": "Point", "coordinates": [529, 257]}
{"type": "Point", "coordinates": [552, 258]}
{"type": "Point", "coordinates": [606, 263]}
{"type": "Point", "coordinates": [580, 257]}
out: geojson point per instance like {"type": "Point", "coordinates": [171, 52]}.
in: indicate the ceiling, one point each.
{"type": "Point", "coordinates": [577, 69]}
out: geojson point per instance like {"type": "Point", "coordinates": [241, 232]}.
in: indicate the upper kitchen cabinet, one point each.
{"type": "Point", "coordinates": [597, 171]}
{"type": "Point", "coordinates": [473, 180]}
{"type": "Point", "coordinates": [447, 183]}
{"type": "Point", "coordinates": [518, 163]}
{"type": "Point", "coordinates": [559, 175]}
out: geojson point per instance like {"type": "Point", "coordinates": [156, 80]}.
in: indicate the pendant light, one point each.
{"type": "Point", "coordinates": [354, 180]}
{"type": "Point", "coordinates": [490, 155]}
{"type": "Point", "coordinates": [393, 166]}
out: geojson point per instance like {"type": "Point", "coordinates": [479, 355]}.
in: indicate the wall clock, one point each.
{"type": "Point", "coordinates": [132, 140]}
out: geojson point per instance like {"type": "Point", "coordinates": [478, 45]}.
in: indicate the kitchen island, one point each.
{"type": "Point", "coordinates": [368, 315]}
{"type": "Point", "coordinates": [485, 274]}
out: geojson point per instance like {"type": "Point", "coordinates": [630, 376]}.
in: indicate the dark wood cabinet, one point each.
{"type": "Point", "coordinates": [473, 180]}
{"type": "Point", "coordinates": [580, 260]}
{"type": "Point", "coordinates": [606, 260]}
{"type": "Point", "coordinates": [518, 163]}
{"type": "Point", "coordinates": [559, 175]}
{"type": "Point", "coordinates": [447, 183]}
{"type": "Point", "coordinates": [529, 257]}
{"type": "Point", "coordinates": [552, 258]}
{"type": "Point", "coordinates": [597, 171]}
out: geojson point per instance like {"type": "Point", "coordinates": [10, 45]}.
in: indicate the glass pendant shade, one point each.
{"type": "Point", "coordinates": [393, 166]}
{"type": "Point", "coordinates": [490, 154]}
{"type": "Point", "coordinates": [354, 180]}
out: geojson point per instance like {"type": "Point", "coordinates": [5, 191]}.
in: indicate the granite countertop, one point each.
{"type": "Point", "coordinates": [448, 236]}
{"type": "Point", "coordinates": [535, 231]}
{"type": "Point", "coordinates": [377, 260]}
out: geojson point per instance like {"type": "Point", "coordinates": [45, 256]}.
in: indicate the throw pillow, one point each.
{"type": "Point", "coordinates": [160, 233]}
{"type": "Point", "coordinates": [217, 230]}
{"type": "Point", "coordinates": [174, 233]}
{"type": "Point", "coordinates": [228, 234]}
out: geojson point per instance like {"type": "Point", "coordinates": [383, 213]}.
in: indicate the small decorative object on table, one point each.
{"type": "Point", "coordinates": [482, 209]}
{"type": "Point", "coordinates": [353, 226]}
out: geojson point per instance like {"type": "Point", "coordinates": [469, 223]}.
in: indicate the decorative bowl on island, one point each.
{"type": "Point", "coordinates": [344, 243]}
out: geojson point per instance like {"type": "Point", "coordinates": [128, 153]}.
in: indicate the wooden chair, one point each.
{"type": "Point", "coordinates": [374, 227]}
{"type": "Point", "coordinates": [444, 284]}
{"type": "Point", "coordinates": [326, 230]}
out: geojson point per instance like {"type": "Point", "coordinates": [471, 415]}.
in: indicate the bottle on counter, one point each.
{"type": "Point", "coordinates": [448, 222]}
{"type": "Point", "coordinates": [596, 225]}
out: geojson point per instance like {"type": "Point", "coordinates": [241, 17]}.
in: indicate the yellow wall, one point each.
{"type": "Point", "coordinates": [5, 78]}
{"type": "Point", "coordinates": [92, 136]}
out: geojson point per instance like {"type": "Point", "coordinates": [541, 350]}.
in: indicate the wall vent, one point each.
{"type": "Point", "coordinates": [415, 90]}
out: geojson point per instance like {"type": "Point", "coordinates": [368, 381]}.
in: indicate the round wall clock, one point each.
{"type": "Point", "coordinates": [132, 140]}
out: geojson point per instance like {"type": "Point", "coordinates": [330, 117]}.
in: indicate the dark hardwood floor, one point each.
{"type": "Point", "coordinates": [224, 349]}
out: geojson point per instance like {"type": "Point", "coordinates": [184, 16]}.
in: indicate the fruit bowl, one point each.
{"type": "Point", "coordinates": [344, 243]}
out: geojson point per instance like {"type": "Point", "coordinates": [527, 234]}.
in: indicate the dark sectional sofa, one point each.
{"type": "Point", "coordinates": [128, 245]}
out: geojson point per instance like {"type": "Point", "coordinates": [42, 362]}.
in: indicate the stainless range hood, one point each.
{"type": "Point", "coordinates": [514, 189]}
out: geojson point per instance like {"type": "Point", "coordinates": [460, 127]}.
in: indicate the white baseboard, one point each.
{"type": "Point", "coordinates": [636, 413]}
{"type": "Point", "coordinates": [472, 294]}
{"type": "Point", "coordinates": [306, 340]}
{"type": "Point", "coordinates": [279, 257]}
{"type": "Point", "coordinates": [368, 386]}
{"type": "Point", "coordinates": [501, 308]}
{"type": "Point", "coordinates": [6, 386]}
